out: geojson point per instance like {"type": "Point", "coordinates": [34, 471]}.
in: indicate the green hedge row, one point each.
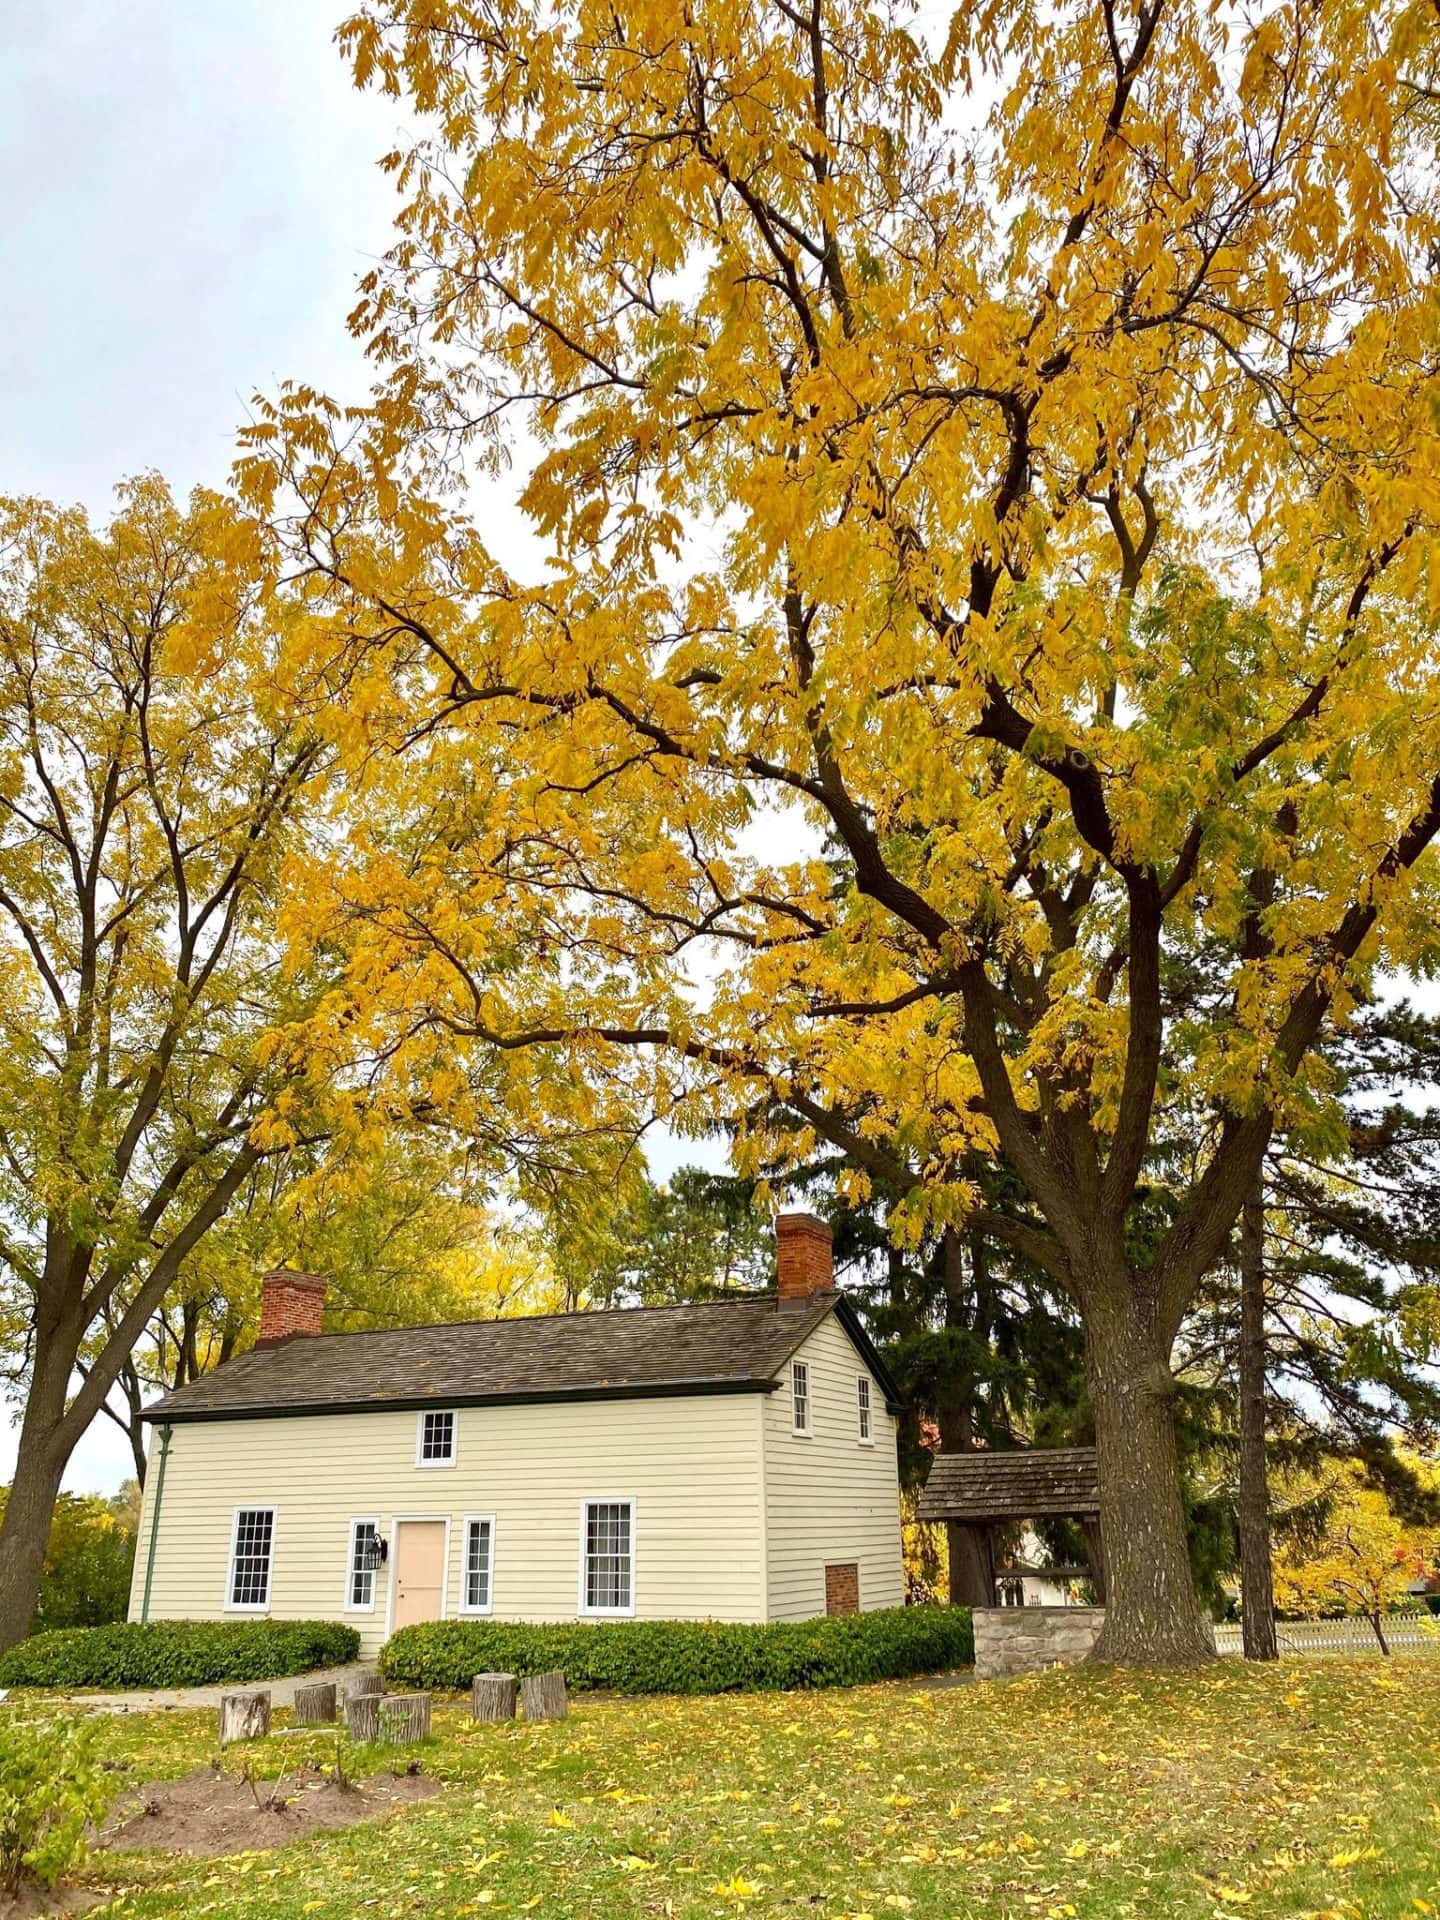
{"type": "Point", "coordinates": [177, 1653]}
{"type": "Point", "coordinates": [687, 1656]}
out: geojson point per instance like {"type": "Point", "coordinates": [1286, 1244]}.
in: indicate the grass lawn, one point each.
{"type": "Point", "coordinates": [1311, 1790]}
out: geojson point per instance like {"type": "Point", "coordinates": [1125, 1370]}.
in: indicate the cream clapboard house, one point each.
{"type": "Point", "coordinates": [731, 1461]}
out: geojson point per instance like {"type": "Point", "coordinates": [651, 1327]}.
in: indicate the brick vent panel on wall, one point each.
{"type": "Point", "coordinates": [842, 1588]}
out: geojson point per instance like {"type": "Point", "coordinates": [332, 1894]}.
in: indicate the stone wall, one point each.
{"type": "Point", "coordinates": [1012, 1640]}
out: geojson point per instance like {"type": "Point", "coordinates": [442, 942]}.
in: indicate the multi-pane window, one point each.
{"type": "Point", "coordinates": [800, 1396]}
{"type": "Point", "coordinates": [608, 1585]}
{"type": "Point", "coordinates": [479, 1553]}
{"type": "Point", "coordinates": [364, 1558]}
{"type": "Point", "coordinates": [862, 1403]}
{"type": "Point", "coordinates": [250, 1559]}
{"type": "Point", "coordinates": [437, 1440]}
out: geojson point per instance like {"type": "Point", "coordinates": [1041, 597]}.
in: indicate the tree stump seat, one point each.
{"type": "Point", "coordinates": [543, 1696]}
{"type": "Point", "coordinates": [362, 1715]}
{"type": "Point", "coordinates": [492, 1696]}
{"type": "Point", "coordinates": [244, 1716]}
{"type": "Point", "coordinates": [315, 1705]}
{"type": "Point", "coordinates": [404, 1718]}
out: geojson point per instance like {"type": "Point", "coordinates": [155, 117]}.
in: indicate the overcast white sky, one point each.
{"type": "Point", "coordinates": [190, 196]}
{"type": "Point", "coordinates": [190, 193]}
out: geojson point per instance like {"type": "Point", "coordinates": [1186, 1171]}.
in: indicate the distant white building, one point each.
{"type": "Point", "coordinates": [1024, 1582]}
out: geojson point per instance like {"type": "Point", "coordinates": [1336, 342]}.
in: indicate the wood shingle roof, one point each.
{"type": "Point", "coordinates": [981, 1487]}
{"type": "Point", "coordinates": [727, 1346]}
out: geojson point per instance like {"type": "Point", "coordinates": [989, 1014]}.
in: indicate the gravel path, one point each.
{"type": "Point", "coordinates": [282, 1693]}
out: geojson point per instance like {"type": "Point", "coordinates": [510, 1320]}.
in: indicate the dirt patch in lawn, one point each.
{"type": "Point", "coordinates": [35, 1900]}
{"type": "Point", "coordinates": [214, 1813]}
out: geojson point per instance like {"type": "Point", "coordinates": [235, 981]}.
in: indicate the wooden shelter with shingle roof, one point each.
{"type": "Point", "coordinates": [973, 1492]}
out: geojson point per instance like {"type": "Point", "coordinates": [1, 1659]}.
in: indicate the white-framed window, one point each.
{"type": "Point", "coordinates": [252, 1544]}
{"type": "Point", "coordinates": [360, 1567]}
{"type": "Point", "coordinates": [477, 1569]}
{"type": "Point", "coordinates": [607, 1556]}
{"type": "Point", "coordinates": [799, 1397]}
{"type": "Point", "coordinates": [435, 1439]}
{"type": "Point", "coordinates": [862, 1409]}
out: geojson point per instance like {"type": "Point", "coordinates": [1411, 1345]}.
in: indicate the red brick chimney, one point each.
{"type": "Point", "coordinates": [804, 1261]}
{"type": "Point", "coordinates": [290, 1304]}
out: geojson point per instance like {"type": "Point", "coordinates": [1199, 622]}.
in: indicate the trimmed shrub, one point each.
{"type": "Point", "coordinates": [177, 1653]}
{"type": "Point", "coordinates": [687, 1656]}
{"type": "Point", "coordinates": [51, 1786]}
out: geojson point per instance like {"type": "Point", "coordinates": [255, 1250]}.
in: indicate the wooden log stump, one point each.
{"type": "Point", "coordinates": [244, 1716]}
{"type": "Point", "coordinates": [492, 1696]}
{"type": "Point", "coordinates": [366, 1680]}
{"type": "Point", "coordinates": [543, 1696]}
{"type": "Point", "coordinates": [362, 1715]}
{"type": "Point", "coordinates": [315, 1705]}
{"type": "Point", "coordinates": [404, 1718]}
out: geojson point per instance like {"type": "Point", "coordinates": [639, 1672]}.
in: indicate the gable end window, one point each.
{"type": "Point", "coordinates": [436, 1444]}
{"type": "Point", "coordinates": [364, 1559]}
{"type": "Point", "coordinates": [799, 1397]}
{"type": "Point", "coordinates": [607, 1556]}
{"type": "Point", "coordinates": [476, 1569]}
{"type": "Point", "coordinates": [251, 1545]}
{"type": "Point", "coordinates": [862, 1408]}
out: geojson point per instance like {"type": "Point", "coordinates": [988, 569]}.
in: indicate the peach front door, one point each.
{"type": "Point", "coordinates": [419, 1570]}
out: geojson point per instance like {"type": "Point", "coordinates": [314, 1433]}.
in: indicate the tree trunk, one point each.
{"type": "Point", "coordinates": [53, 1422]}
{"type": "Point", "coordinates": [969, 1550]}
{"type": "Point", "coordinates": [1152, 1618]}
{"type": "Point", "coordinates": [1380, 1634]}
{"type": "Point", "coordinates": [1257, 1594]}
{"type": "Point", "coordinates": [972, 1564]}
{"type": "Point", "coordinates": [1095, 1549]}
{"type": "Point", "coordinates": [34, 1487]}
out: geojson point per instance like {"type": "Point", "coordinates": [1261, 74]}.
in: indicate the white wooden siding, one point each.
{"type": "Point", "coordinates": [829, 1498]}
{"type": "Point", "coordinates": [692, 1463]}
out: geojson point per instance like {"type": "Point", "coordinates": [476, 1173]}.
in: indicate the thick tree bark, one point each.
{"type": "Point", "coordinates": [972, 1565]}
{"type": "Point", "coordinates": [403, 1718]}
{"type": "Point", "coordinates": [69, 1301]}
{"type": "Point", "coordinates": [542, 1695]}
{"type": "Point", "coordinates": [244, 1716]}
{"type": "Point", "coordinates": [969, 1550]}
{"type": "Point", "coordinates": [1257, 1594]}
{"type": "Point", "coordinates": [1095, 1548]}
{"type": "Point", "coordinates": [34, 1487]}
{"type": "Point", "coordinates": [492, 1696]}
{"type": "Point", "coordinates": [1152, 1618]}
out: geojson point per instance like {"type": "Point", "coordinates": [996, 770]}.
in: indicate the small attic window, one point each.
{"type": "Point", "coordinates": [799, 1397]}
{"type": "Point", "coordinates": [436, 1444]}
{"type": "Point", "coordinates": [862, 1406]}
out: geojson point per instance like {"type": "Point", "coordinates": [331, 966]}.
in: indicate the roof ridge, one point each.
{"type": "Point", "coordinates": [618, 1351]}
{"type": "Point", "coordinates": [748, 1298]}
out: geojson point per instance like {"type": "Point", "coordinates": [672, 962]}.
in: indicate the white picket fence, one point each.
{"type": "Point", "coordinates": [1405, 1634]}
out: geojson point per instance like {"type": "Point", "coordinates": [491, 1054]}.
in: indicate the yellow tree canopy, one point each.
{"type": "Point", "coordinates": [1013, 460]}
{"type": "Point", "coordinates": [1367, 1559]}
{"type": "Point", "coordinates": [990, 489]}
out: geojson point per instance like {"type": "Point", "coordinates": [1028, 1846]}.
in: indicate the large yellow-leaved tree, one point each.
{"type": "Point", "coordinates": [990, 485]}
{"type": "Point", "coordinates": [150, 789]}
